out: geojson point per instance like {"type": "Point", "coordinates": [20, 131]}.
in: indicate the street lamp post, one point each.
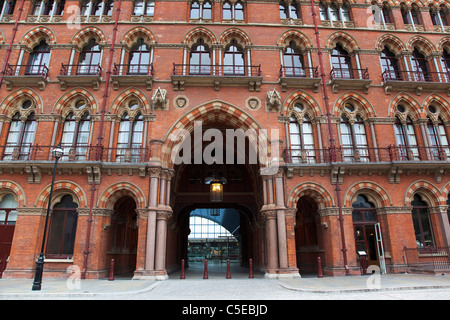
{"type": "Point", "coordinates": [57, 153]}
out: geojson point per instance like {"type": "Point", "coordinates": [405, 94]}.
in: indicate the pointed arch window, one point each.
{"type": "Point", "coordinates": [341, 62]}
{"type": "Point", "coordinates": [405, 138]}
{"type": "Point", "coordinates": [144, 7]}
{"type": "Point", "coordinates": [139, 59]}
{"type": "Point", "coordinates": [200, 59]}
{"type": "Point", "coordinates": [293, 61]}
{"type": "Point", "coordinates": [7, 7]}
{"type": "Point", "coordinates": [445, 63]}
{"type": "Point", "coordinates": [20, 138]}
{"type": "Point", "coordinates": [39, 59]}
{"type": "Point", "coordinates": [232, 11]}
{"type": "Point", "coordinates": [89, 60]}
{"type": "Point", "coordinates": [75, 137]}
{"type": "Point", "coordinates": [301, 140]}
{"type": "Point", "coordinates": [389, 65]}
{"type": "Point", "coordinates": [420, 66]}
{"type": "Point", "coordinates": [354, 139]}
{"type": "Point", "coordinates": [62, 229]}
{"type": "Point", "coordinates": [201, 10]}
{"type": "Point", "coordinates": [129, 141]}
{"type": "Point", "coordinates": [422, 223]}
{"type": "Point", "coordinates": [289, 11]}
{"type": "Point", "coordinates": [438, 139]}
{"type": "Point", "coordinates": [233, 59]}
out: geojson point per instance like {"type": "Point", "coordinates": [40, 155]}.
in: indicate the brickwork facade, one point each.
{"type": "Point", "coordinates": [116, 81]}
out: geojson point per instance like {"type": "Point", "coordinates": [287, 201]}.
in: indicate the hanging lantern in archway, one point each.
{"type": "Point", "coordinates": [216, 190]}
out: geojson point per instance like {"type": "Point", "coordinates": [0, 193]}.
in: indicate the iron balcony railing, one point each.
{"type": "Point", "coordinates": [26, 70]}
{"type": "Point", "coordinates": [365, 154]}
{"type": "Point", "coordinates": [80, 70]}
{"type": "Point", "coordinates": [299, 72]}
{"type": "Point", "coordinates": [216, 70]}
{"type": "Point", "coordinates": [133, 69]}
{"type": "Point", "coordinates": [80, 152]}
{"type": "Point", "coordinates": [348, 73]}
{"type": "Point", "coordinates": [416, 76]}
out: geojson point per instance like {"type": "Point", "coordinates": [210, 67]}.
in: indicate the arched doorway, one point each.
{"type": "Point", "coordinates": [123, 236]}
{"type": "Point", "coordinates": [309, 241]}
{"type": "Point", "coordinates": [215, 231]}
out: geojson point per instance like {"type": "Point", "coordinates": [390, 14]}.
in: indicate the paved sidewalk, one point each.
{"type": "Point", "coordinates": [90, 289]}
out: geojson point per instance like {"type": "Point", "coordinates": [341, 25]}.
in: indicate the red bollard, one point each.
{"type": "Point", "coordinates": [205, 271]}
{"type": "Point", "coordinates": [228, 269]}
{"type": "Point", "coordinates": [319, 264]}
{"type": "Point", "coordinates": [111, 271]}
{"type": "Point", "coordinates": [251, 269]}
{"type": "Point", "coordinates": [182, 276]}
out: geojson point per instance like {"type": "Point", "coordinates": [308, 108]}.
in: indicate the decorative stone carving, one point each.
{"type": "Point", "coordinates": [159, 99]}
{"type": "Point", "coordinates": [273, 100]}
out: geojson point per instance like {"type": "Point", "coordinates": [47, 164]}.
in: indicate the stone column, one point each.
{"type": "Point", "coordinates": [151, 221]}
{"type": "Point", "coordinates": [272, 243]}
{"type": "Point", "coordinates": [161, 244]}
{"type": "Point", "coordinates": [441, 211]}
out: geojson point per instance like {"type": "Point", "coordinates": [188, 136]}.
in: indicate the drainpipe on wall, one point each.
{"type": "Point", "coordinates": [332, 141]}
{"type": "Point", "coordinates": [100, 137]}
{"type": "Point", "coordinates": [13, 36]}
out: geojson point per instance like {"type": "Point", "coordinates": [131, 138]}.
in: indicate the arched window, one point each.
{"type": "Point", "coordinates": [420, 66]}
{"type": "Point", "coordinates": [144, 7]}
{"type": "Point", "coordinates": [20, 137]}
{"type": "Point", "coordinates": [386, 13]}
{"type": "Point", "coordinates": [89, 60]}
{"type": "Point", "coordinates": [438, 139]}
{"type": "Point", "coordinates": [407, 19]}
{"type": "Point", "coordinates": [301, 140]}
{"type": "Point", "coordinates": [75, 137]}
{"type": "Point", "coordinates": [334, 12]}
{"type": "Point", "coordinates": [201, 10]}
{"type": "Point", "coordinates": [62, 229]}
{"type": "Point", "coordinates": [102, 8]}
{"type": "Point", "coordinates": [129, 142]}
{"type": "Point", "coordinates": [415, 13]}
{"type": "Point", "coordinates": [345, 10]}
{"type": "Point", "coordinates": [227, 11]}
{"type": "Point", "coordinates": [341, 63]}
{"type": "Point", "coordinates": [323, 10]}
{"type": "Point", "coordinates": [38, 60]}
{"type": "Point", "coordinates": [206, 10]}
{"type": "Point", "coordinates": [422, 223]}
{"type": "Point", "coordinates": [293, 61]}
{"type": "Point", "coordinates": [238, 11]}
{"type": "Point", "coordinates": [354, 140]}
{"type": "Point", "coordinates": [289, 11]}
{"type": "Point", "coordinates": [405, 139]}
{"type": "Point", "coordinates": [389, 65]}
{"type": "Point", "coordinates": [139, 58]}
{"type": "Point", "coordinates": [233, 59]}
{"type": "Point", "coordinates": [195, 10]}
{"type": "Point", "coordinates": [7, 7]}
{"type": "Point", "coordinates": [445, 63]}
{"type": "Point", "coordinates": [8, 213]}
{"type": "Point", "coordinates": [364, 219]}
{"type": "Point", "coordinates": [200, 59]}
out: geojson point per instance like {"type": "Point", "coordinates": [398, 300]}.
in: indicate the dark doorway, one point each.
{"type": "Point", "coordinates": [123, 236]}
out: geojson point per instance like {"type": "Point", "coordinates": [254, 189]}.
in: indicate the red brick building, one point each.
{"type": "Point", "coordinates": [362, 133]}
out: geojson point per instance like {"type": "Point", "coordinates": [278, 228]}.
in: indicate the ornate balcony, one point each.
{"type": "Point", "coordinates": [80, 75]}
{"type": "Point", "coordinates": [216, 76]}
{"type": "Point", "coordinates": [299, 77]}
{"type": "Point", "coordinates": [25, 75]}
{"type": "Point", "coordinates": [350, 79]}
{"type": "Point", "coordinates": [132, 74]}
{"type": "Point", "coordinates": [416, 81]}
{"type": "Point", "coordinates": [392, 161]}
